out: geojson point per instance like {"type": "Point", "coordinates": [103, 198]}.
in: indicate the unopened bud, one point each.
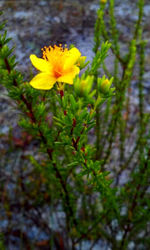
{"type": "Point", "coordinates": [81, 62]}
{"type": "Point", "coordinates": [104, 84]}
{"type": "Point", "coordinates": [103, 1]}
{"type": "Point", "coordinates": [83, 85]}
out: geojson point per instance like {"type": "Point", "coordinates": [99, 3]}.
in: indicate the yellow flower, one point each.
{"type": "Point", "coordinates": [58, 65]}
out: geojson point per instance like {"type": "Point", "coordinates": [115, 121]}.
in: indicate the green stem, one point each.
{"type": "Point", "coordinates": [97, 133]}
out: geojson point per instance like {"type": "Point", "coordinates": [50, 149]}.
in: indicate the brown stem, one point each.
{"type": "Point", "coordinates": [7, 65]}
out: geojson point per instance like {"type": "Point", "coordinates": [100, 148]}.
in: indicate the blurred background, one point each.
{"type": "Point", "coordinates": [33, 24]}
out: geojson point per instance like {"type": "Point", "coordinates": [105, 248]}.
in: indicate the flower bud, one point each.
{"type": "Point", "coordinates": [81, 62]}
{"type": "Point", "coordinates": [103, 1]}
{"type": "Point", "coordinates": [104, 84]}
{"type": "Point", "coordinates": [83, 85]}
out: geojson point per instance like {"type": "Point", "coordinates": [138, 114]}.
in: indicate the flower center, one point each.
{"type": "Point", "coordinates": [57, 73]}
{"type": "Point", "coordinates": [56, 56]}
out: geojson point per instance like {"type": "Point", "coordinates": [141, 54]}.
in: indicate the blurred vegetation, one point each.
{"type": "Point", "coordinates": [63, 174]}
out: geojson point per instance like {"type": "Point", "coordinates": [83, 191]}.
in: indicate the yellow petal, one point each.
{"type": "Point", "coordinates": [71, 59]}
{"type": "Point", "coordinates": [68, 77]}
{"type": "Point", "coordinates": [43, 81]}
{"type": "Point", "coordinates": [40, 64]}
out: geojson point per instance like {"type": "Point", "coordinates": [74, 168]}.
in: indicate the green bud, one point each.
{"type": "Point", "coordinates": [81, 62]}
{"type": "Point", "coordinates": [104, 84]}
{"type": "Point", "coordinates": [103, 1]}
{"type": "Point", "coordinates": [83, 85]}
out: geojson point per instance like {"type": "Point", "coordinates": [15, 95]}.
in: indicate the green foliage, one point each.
{"type": "Point", "coordinates": [2, 245]}
{"type": "Point", "coordinates": [79, 173]}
